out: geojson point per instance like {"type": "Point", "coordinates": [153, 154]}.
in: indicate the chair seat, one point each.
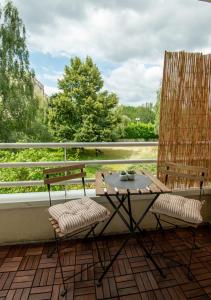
{"type": "Point", "coordinates": [78, 214]}
{"type": "Point", "coordinates": [188, 210]}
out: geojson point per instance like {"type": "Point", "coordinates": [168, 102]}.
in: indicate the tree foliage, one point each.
{"type": "Point", "coordinates": [140, 131]}
{"type": "Point", "coordinates": [24, 173]}
{"type": "Point", "coordinates": [17, 102]}
{"type": "Point", "coordinates": [81, 111]}
{"type": "Point", "coordinates": [157, 112]}
{"type": "Point", "coordinates": [145, 113]}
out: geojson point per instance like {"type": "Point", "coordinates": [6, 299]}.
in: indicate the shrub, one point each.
{"type": "Point", "coordinates": [140, 131]}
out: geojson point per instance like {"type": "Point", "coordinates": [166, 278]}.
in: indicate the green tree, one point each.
{"type": "Point", "coordinates": [144, 113]}
{"type": "Point", "coordinates": [81, 111]}
{"type": "Point", "coordinates": [157, 112]}
{"type": "Point", "coordinates": [17, 102]}
{"type": "Point", "coordinates": [140, 131]}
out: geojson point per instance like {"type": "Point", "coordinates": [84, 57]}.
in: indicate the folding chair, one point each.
{"type": "Point", "coordinates": [180, 208]}
{"type": "Point", "coordinates": [75, 216]}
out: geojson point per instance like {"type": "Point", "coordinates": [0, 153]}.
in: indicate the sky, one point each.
{"type": "Point", "coordinates": [125, 38]}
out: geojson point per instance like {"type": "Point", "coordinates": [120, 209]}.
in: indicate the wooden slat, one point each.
{"type": "Point", "coordinates": [134, 191]}
{"type": "Point", "coordinates": [63, 178]}
{"type": "Point", "coordinates": [157, 182]}
{"type": "Point", "coordinates": [52, 221]}
{"type": "Point", "coordinates": [144, 191]}
{"type": "Point", "coordinates": [99, 186]}
{"type": "Point", "coordinates": [189, 168]}
{"type": "Point", "coordinates": [64, 169]}
{"type": "Point", "coordinates": [110, 189]}
{"type": "Point", "coordinates": [114, 190]}
{"type": "Point", "coordinates": [122, 191]}
{"type": "Point", "coordinates": [56, 227]}
{"type": "Point", "coordinates": [187, 176]}
{"type": "Point", "coordinates": [102, 187]}
{"type": "Point", "coordinates": [154, 188]}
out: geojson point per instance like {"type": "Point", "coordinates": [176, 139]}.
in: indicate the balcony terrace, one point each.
{"type": "Point", "coordinates": [25, 236]}
{"type": "Point", "coordinates": [24, 209]}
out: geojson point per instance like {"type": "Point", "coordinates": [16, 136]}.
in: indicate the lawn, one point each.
{"type": "Point", "coordinates": [120, 153]}
{"type": "Point", "coordinates": [19, 174]}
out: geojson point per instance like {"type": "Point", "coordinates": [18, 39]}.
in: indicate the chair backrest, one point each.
{"type": "Point", "coordinates": [192, 173]}
{"type": "Point", "coordinates": [62, 175]}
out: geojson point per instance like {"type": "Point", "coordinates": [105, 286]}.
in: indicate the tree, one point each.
{"type": "Point", "coordinates": [144, 113]}
{"type": "Point", "coordinates": [17, 102]}
{"type": "Point", "coordinates": [81, 111]}
{"type": "Point", "coordinates": [157, 111]}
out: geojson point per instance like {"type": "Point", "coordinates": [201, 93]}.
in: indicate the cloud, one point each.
{"type": "Point", "coordinates": [134, 82]}
{"type": "Point", "coordinates": [50, 90]}
{"type": "Point", "coordinates": [52, 76]}
{"type": "Point", "coordinates": [131, 34]}
{"type": "Point", "coordinates": [116, 30]}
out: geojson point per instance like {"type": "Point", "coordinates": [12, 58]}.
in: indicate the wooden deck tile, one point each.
{"type": "Point", "coordinates": [27, 273]}
{"type": "Point", "coordinates": [10, 264]}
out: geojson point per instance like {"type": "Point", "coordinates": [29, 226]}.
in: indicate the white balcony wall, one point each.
{"type": "Point", "coordinates": [24, 217]}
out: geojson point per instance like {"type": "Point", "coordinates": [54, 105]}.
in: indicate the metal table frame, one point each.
{"type": "Point", "coordinates": [134, 226]}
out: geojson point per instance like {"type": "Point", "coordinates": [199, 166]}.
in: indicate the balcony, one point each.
{"type": "Point", "coordinates": [25, 236]}
{"type": "Point", "coordinates": [24, 209]}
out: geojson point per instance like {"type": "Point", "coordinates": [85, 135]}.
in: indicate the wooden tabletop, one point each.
{"type": "Point", "coordinates": [156, 187]}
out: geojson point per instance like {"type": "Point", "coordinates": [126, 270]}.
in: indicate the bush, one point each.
{"type": "Point", "coordinates": [140, 131]}
{"type": "Point", "coordinates": [24, 173]}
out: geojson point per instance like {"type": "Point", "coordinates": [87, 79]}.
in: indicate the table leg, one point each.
{"type": "Point", "coordinates": [126, 210]}
{"type": "Point", "coordinates": [112, 261]}
{"type": "Point", "coordinates": [130, 211]}
{"type": "Point", "coordinates": [116, 210]}
{"type": "Point", "coordinates": [148, 254]}
{"type": "Point", "coordinates": [132, 231]}
{"type": "Point", "coordinates": [146, 211]}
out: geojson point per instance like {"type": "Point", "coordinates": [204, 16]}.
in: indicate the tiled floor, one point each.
{"type": "Point", "coordinates": [27, 273]}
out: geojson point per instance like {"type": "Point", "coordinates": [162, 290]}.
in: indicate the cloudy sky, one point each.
{"type": "Point", "coordinates": [125, 38]}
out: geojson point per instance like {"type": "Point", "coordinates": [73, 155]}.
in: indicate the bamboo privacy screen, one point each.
{"type": "Point", "coordinates": [185, 111]}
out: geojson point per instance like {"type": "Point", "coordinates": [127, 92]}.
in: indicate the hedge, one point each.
{"type": "Point", "coordinates": [140, 131]}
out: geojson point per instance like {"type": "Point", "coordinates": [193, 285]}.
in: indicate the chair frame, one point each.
{"type": "Point", "coordinates": [182, 174]}
{"type": "Point", "coordinates": [58, 235]}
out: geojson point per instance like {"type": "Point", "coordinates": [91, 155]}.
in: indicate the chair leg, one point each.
{"type": "Point", "coordinates": [51, 251]}
{"type": "Point", "coordinates": [97, 247]}
{"type": "Point", "coordinates": [64, 291]}
{"type": "Point", "coordinates": [190, 276]}
{"type": "Point", "coordinates": [158, 223]}
{"type": "Point", "coordinates": [89, 232]}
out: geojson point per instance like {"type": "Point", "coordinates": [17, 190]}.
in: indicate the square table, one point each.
{"type": "Point", "coordinates": [109, 184]}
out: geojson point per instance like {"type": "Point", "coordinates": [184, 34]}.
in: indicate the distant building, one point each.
{"type": "Point", "coordinates": [39, 89]}
{"type": "Point", "coordinates": [39, 92]}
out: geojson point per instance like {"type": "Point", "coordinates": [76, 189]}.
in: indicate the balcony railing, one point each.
{"type": "Point", "coordinates": [66, 146]}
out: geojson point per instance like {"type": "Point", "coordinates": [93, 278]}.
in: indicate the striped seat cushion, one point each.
{"type": "Point", "coordinates": [77, 214]}
{"type": "Point", "coordinates": [185, 209]}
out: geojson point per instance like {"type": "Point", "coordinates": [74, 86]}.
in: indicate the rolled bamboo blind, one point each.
{"type": "Point", "coordinates": [185, 112]}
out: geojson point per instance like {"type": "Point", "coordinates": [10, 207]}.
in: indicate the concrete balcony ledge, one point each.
{"type": "Point", "coordinates": [39, 199]}
{"type": "Point", "coordinates": [24, 216]}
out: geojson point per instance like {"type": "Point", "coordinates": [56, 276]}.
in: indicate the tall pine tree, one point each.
{"type": "Point", "coordinates": [17, 101]}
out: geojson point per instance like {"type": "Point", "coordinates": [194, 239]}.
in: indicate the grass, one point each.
{"type": "Point", "coordinates": [72, 154]}
{"type": "Point", "coordinates": [120, 153]}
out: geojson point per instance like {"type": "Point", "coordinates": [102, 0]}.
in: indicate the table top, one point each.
{"type": "Point", "coordinates": [150, 184]}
